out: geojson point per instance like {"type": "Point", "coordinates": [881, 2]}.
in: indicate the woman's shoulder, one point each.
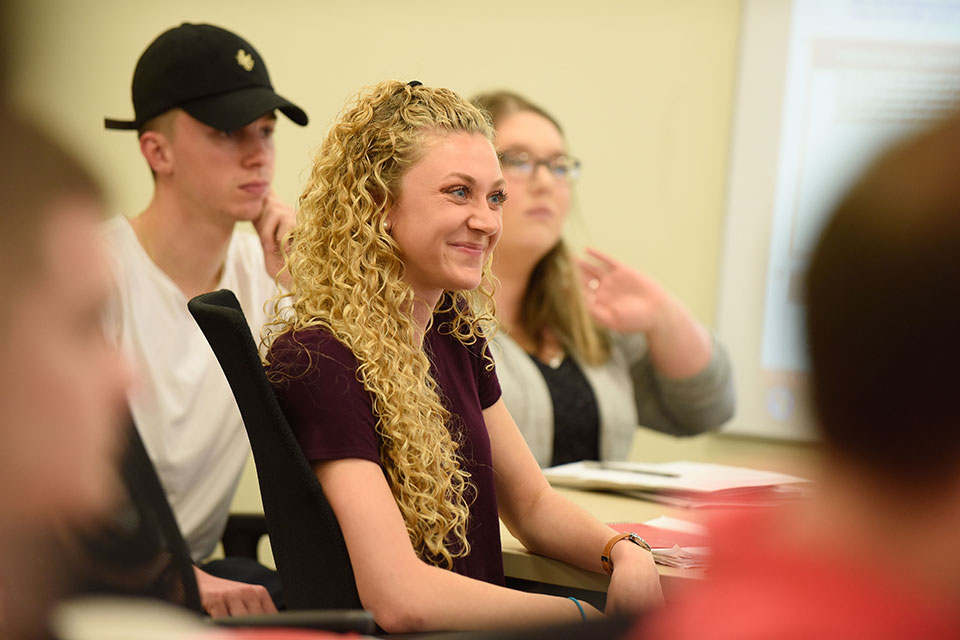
{"type": "Point", "coordinates": [307, 349]}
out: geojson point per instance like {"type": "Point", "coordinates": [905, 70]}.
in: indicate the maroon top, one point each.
{"type": "Point", "coordinates": [331, 415]}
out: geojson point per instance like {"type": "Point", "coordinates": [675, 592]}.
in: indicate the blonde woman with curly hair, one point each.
{"type": "Point", "coordinates": [381, 366]}
{"type": "Point", "coordinates": [588, 349]}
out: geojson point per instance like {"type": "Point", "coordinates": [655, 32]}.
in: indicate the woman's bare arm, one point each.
{"type": "Point", "coordinates": [403, 593]}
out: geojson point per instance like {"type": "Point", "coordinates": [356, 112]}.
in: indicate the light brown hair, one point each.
{"type": "Point", "coordinates": [553, 300]}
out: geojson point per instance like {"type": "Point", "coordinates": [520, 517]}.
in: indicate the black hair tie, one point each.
{"type": "Point", "coordinates": [414, 83]}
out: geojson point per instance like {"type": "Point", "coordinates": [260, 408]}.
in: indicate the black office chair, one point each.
{"type": "Point", "coordinates": [141, 552]}
{"type": "Point", "coordinates": [308, 546]}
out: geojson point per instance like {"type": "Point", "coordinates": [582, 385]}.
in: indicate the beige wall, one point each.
{"type": "Point", "coordinates": [644, 90]}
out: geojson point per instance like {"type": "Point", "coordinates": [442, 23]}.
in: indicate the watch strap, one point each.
{"type": "Point", "coordinates": [605, 560]}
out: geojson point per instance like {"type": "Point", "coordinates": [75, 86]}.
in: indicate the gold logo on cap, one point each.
{"type": "Point", "coordinates": [244, 59]}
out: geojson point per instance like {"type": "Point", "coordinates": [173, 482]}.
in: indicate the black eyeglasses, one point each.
{"type": "Point", "coordinates": [522, 165]}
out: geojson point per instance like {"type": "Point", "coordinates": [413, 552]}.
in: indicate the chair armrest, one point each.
{"type": "Point", "coordinates": [339, 620]}
{"type": "Point", "coordinates": [243, 533]}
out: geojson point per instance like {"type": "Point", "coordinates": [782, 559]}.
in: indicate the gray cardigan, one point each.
{"type": "Point", "coordinates": [629, 392]}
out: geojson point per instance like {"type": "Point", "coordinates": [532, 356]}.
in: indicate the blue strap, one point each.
{"type": "Point", "coordinates": [583, 614]}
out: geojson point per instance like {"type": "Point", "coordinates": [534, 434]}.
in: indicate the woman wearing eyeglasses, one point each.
{"type": "Point", "coordinates": [587, 349]}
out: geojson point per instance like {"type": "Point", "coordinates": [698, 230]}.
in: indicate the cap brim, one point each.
{"type": "Point", "coordinates": [231, 111]}
{"type": "Point", "coordinates": [110, 123]}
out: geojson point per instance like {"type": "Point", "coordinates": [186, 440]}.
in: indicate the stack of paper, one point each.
{"type": "Point", "coordinates": [682, 484]}
{"type": "Point", "coordinates": [674, 542]}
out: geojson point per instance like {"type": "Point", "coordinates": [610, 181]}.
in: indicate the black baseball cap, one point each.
{"type": "Point", "coordinates": [214, 75]}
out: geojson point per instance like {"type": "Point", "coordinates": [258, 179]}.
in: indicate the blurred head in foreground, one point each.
{"type": "Point", "coordinates": [61, 385]}
{"type": "Point", "coordinates": [883, 312]}
{"type": "Point", "coordinates": [874, 553]}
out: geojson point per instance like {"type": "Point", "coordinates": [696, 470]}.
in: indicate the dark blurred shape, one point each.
{"type": "Point", "coordinates": [874, 554]}
{"type": "Point", "coordinates": [139, 551]}
{"type": "Point", "coordinates": [883, 311]}
{"type": "Point", "coordinates": [55, 448]}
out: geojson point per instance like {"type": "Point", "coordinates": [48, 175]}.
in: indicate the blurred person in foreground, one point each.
{"type": "Point", "coordinates": [205, 118]}
{"type": "Point", "coordinates": [874, 554]}
{"type": "Point", "coordinates": [587, 349]}
{"type": "Point", "coordinates": [62, 384]}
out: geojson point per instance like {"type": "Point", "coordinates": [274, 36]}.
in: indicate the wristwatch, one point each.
{"type": "Point", "coordinates": [605, 560]}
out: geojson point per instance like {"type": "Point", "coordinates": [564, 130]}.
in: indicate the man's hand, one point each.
{"type": "Point", "coordinates": [221, 598]}
{"type": "Point", "coordinates": [275, 222]}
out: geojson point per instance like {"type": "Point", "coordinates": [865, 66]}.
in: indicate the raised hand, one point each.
{"type": "Point", "coordinates": [623, 299]}
{"type": "Point", "coordinates": [619, 297]}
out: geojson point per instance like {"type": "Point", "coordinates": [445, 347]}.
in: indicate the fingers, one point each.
{"type": "Point", "coordinates": [282, 235]}
{"type": "Point", "coordinates": [619, 276]}
{"type": "Point", "coordinates": [600, 312]}
{"type": "Point", "coordinates": [268, 223]}
{"type": "Point", "coordinates": [216, 607]}
{"type": "Point", "coordinates": [588, 270]}
{"type": "Point", "coordinates": [239, 599]}
{"type": "Point", "coordinates": [237, 603]}
{"type": "Point", "coordinates": [273, 226]}
{"type": "Point", "coordinates": [602, 258]}
{"type": "Point", "coordinates": [590, 278]}
{"type": "Point", "coordinates": [266, 602]}
{"type": "Point", "coordinates": [221, 597]}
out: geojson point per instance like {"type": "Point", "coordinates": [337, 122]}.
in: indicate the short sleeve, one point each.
{"type": "Point", "coordinates": [328, 409]}
{"type": "Point", "coordinates": [488, 385]}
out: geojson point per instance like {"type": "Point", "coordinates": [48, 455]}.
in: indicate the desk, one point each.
{"type": "Point", "coordinates": [787, 457]}
{"type": "Point", "coordinates": [607, 507]}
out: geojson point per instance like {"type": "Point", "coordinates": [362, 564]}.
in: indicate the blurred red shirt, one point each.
{"type": "Point", "coordinates": [761, 585]}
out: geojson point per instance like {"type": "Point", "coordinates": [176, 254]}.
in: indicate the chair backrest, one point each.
{"type": "Point", "coordinates": [140, 550]}
{"type": "Point", "coordinates": [308, 546]}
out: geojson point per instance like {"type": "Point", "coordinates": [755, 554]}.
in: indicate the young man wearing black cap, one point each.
{"type": "Point", "coordinates": [204, 111]}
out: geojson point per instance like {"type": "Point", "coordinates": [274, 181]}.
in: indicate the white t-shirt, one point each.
{"type": "Point", "coordinates": [181, 402]}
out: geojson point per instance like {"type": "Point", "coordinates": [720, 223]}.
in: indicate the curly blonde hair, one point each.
{"type": "Point", "coordinates": [347, 277]}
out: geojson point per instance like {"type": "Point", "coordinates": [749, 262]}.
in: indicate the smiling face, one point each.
{"type": "Point", "coordinates": [226, 174]}
{"type": "Point", "coordinates": [447, 217]}
{"type": "Point", "coordinates": [533, 218]}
